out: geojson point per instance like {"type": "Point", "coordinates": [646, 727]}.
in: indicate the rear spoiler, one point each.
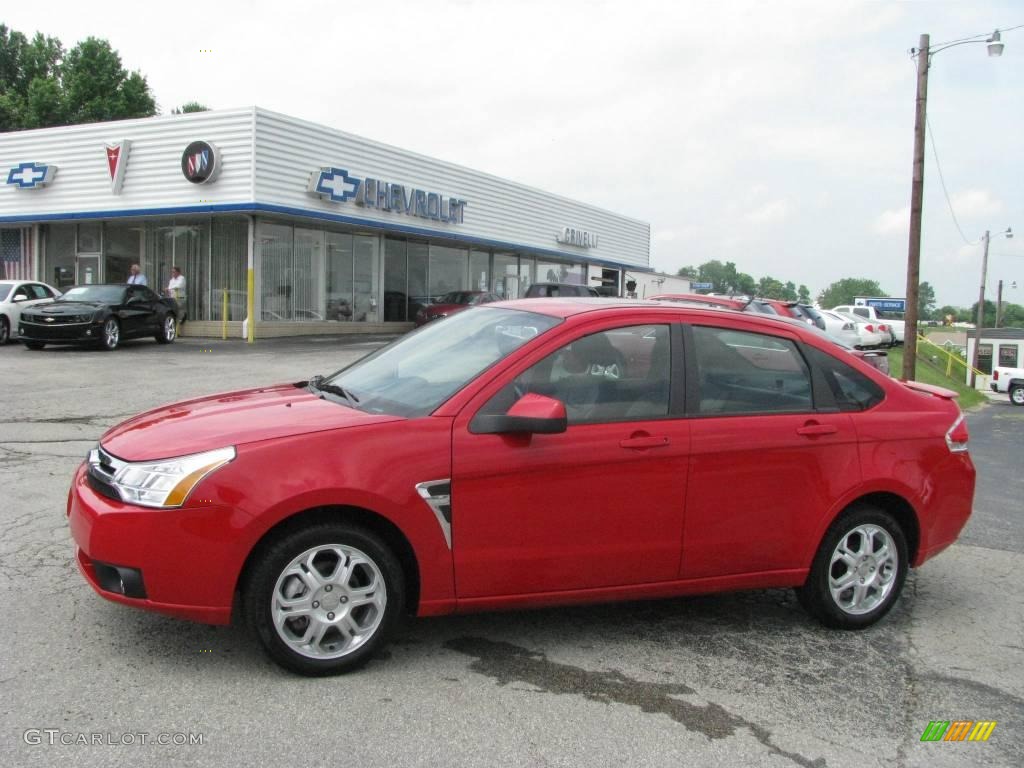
{"type": "Point", "coordinates": [946, 394]}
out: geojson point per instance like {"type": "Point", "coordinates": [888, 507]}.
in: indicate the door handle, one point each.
{"type": "Point", "coordinates": [817, 429]}
{"type": "Point", "coordinates": [640, 443]}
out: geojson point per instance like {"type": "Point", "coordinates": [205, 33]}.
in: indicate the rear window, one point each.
{"type": "Point", "coordinates": [852, 390]}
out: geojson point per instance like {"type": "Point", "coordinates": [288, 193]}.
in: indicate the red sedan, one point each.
{"type": "Point", "coordinates": [514, 456]}
{"type": "Point", "coordinates": [453, 302]}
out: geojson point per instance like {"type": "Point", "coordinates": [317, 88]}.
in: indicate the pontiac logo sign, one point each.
{"type": "Point", "coordinates": [200, 162]}
{"type": "Point", "coordinates": [117, 161]}
{"type": "Point", "coordinates": [578, 237]}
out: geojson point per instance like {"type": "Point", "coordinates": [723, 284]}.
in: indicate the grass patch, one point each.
{"type": "Point", "coordinates": [929, 373]}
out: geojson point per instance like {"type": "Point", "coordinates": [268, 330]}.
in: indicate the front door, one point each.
{"type": "Point", "coordinates": [88, 270]}
{"type": "Point", "coordinates": [599, 505]}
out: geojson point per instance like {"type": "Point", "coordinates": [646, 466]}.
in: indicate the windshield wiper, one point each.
{"type": "Point", "coordinates": [317, 382]}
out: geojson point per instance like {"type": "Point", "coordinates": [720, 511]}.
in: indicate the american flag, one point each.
{"type": "Point", "coordinates": [16, 254]}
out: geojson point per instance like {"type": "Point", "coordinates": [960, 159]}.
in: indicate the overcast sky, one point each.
{"type": "Point", "coordinates": [777, 135]}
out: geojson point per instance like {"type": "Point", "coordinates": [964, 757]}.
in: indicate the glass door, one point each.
{"type": "Point", "coordinates": [365, 277]}
{"type": "Point", "coordinates": [88, 270]}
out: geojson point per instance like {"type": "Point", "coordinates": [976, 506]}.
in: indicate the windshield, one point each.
{"type": "Point", "coordinates": [414, 375]}
{"type": "Point", "coordinates": [4, 290]}
{"type": "Point", "coordinates": [104, 294]}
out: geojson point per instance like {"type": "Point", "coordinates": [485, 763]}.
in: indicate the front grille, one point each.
{"type": "Point", "coordinates": [47, 320]}
{"type": "Point", "coordinates": [102, 468]}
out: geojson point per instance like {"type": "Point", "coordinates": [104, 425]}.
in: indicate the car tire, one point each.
{"type": "Point", "coordinates": [35, 345]}
{"type": "Point", "coordinates": [168, 330]}
{"type": "Point", "coordinates": [5, 331]}
{"type": "Point", "coordinates": [1017, 394]}
{"type": "Point", "coordinates": [859, 570]}
{"type": "Point", "coordinates": [111, 334]}
{"type": "Point", "coordinates": [300, 598]}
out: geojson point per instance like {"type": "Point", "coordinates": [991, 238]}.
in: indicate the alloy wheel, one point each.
{"type": "Point", "coordinates": [863, 569]}
{"type": "Point", "coordinates": [111, 333]}
{"type": "Point", "coordinates": [170, 328]}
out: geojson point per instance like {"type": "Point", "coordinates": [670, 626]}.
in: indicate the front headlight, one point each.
{"type": "Point", "coordinates": [163, 484]}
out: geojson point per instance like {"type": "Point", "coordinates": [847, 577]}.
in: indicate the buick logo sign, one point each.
{"type": "Point", "coordinates": [200, 162]}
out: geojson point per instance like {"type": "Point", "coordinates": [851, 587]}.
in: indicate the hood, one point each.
{"type": "Point", "coordinates": [437, 309]}
{"type": "Point", "coordinates": [66, 308]}
{"type": "Point", "coordinates": [232, 418]}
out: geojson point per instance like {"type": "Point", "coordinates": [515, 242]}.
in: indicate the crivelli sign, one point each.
{"type": "Point", "coordinates": [339, 186]}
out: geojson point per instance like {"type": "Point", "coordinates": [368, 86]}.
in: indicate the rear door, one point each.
{"type": "Point", "coordinates": [770, 451]}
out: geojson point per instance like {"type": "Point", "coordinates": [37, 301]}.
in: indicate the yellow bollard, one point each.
{"type": "Point", "coordinates": [224, 316]}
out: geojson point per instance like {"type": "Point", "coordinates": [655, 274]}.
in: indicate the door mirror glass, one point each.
{"type": "Point", "coordinates": [532, 413]}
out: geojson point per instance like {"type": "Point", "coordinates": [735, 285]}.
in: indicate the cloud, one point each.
{"type": "Point", "coordinates": [895, 221]}
{"type": "Point", "coordinates": [776, 210]}
{"type": "Point", "coordinates": [976, 203]}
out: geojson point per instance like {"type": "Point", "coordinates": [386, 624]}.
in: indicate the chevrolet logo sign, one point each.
{"type": "Point", "coordinates": [49, 319]}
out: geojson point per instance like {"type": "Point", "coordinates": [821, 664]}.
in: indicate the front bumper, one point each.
{"type": "Point", "coordinates": [186, 559]}
{"type": "Point", "coordinates": [60, 333]}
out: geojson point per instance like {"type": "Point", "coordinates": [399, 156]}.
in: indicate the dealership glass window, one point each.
{"type": "Point", "coordinates": [1008, 355]}
{"type": "Point", "coordinates": [366, 253]}
{"type": "Point", "coordinates": [59, 255]}
{"type": "Point", "coordinates": [396, 275]}
{"type": "Point", "coordinates": [506, 276]}
{"type": "Point", "coordinates": [228, 269]}
{"type": "Point", "coordinates": [186, 245]}
{"type": "Point", "coordinates": [307, 272]}
{"type": "Point", "coordinates": [479, 270]}
{"type": "Point", "coordinates": [90, 237]}
{"type": "Point", "coordinates": [447, 270]}
{"type": "Point", "coordinates": [985, 358]}
{"type": "Point", "coordinates": [419, 259]}
{"type": "Point", "coordinates": [275, 250]}
{"type": "Point", "coordinates": [339, 276]}
{"type": "Point", "coordinates": [527, 273]}
{"type": "Point", "coordinates": [123, 245]}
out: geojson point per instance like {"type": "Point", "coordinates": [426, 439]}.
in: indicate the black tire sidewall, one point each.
{"type": "Point", "coordinates": [161, 336]}
{"type": "Point", "coordinates": [1012, 390]}
{"type": "Point", "coordinates": [815, 595]}
{"type": "Point", "coordinates": [5, 331]}
{"type": "Point", "coordinates": [256, 595]}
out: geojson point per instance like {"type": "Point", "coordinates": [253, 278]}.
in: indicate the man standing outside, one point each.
{"type": "Point", "coordinates": [135, 276]}
{"type": "Point", "coordinates": [176, 290]}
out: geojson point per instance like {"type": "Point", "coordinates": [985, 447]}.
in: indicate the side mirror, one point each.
{"type": "Point", "coordinates": [531, 414]}
{"type": "Point", "coordinates": [133, 300]}
{"type": "Point", "coordinates": [20, 297]}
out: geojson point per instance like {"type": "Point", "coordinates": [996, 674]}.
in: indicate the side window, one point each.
{"type": "Point", "coordinates": [862, 312]}
{"type": "Point", "coordinates": [852, 390]}
{"type": "Point", "coordinates": [616, 375]}
{"type": "Point", "coordinates": [38, 291]}
{"type": "Point", "coordinates": [745, 373]}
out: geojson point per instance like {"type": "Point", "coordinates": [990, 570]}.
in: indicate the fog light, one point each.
{"type": "Point", "coordinates": [119, 579]}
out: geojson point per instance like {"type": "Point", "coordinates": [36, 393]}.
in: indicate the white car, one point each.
{"type": "Point", "coordinates": [15, 295]}
{"type": "Point", "coordinates": [868, 336]}
{"type": "Point", "coordinates": [872, 315]}
{"type": "Point", "coordinates": [840, 327]}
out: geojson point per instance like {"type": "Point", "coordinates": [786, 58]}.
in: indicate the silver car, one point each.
{"type": "Point", "coordinates": [16, 295]}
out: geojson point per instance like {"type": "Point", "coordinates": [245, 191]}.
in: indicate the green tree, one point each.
{"type": "Point", "coordinates": [925, 301]}
{"type": "Point", "coordinates": [989, 314]}
{"type": "Point", "coordinates": [803, 294]}
{"type": "Point", "coordinates": [844, 291]}
{"type": "Point", "coordinates": [950, 311]}
{"type": "Point", "coordinates": [42, 86]}
{"type": "Point", "coordinates": [770, 288]}
{"type": "Point", "coordinates": [1013, 316]}
{"type": "Point", "coordinates": [688, 272]}
{"type": "Point", "coordinates": [194, 106]}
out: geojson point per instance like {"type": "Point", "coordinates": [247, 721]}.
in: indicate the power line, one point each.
{"type": "Point", "coordinates": [945, 192]}
{"type": "Point", "coordinates": [973, 37]}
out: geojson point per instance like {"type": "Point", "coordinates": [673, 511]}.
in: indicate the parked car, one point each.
{"type": "Point", "coordinates": [547, 290]}
{"type": "Point", "coordinates": [867, 335]}
{"type": "Point", "coordinates": [872, 315]}
{"type": "Point", "coordinates": [1010, 381]}
{"type": "Point", "coordinates": [453, 302]}
{"type": "Point", "coordinates": [16, 296]}
{"type": "Point", "coordinates": [100, 315]}
{"type": "Point", "coordinates": [494, 460]}
{"type": "Point", "coordinates": [742, 304]}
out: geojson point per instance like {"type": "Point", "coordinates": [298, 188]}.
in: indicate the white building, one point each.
{"type": "Point", "coordinates": [339, 233]}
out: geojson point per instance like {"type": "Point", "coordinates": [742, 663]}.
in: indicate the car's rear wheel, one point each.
{"type": "Point", "coordinates": [324, 599]}
{"type": "Point", "coordinates": [168, 331]}
{"type": "Point", "coordinates": [111, 335]}
{"type": "Point", "coordinates": [1017, 394]}
{"type": "Point", "coordinates": [859, 569]}
{"type": "Point", "coordinates": [5, 331]}
{"type": "Point", "coordinates": [33, 344]}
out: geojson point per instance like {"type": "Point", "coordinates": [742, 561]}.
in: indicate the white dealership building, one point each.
{"type": "Point", "coordinates": [337, 233]}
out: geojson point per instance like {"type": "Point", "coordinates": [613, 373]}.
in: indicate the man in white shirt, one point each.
{"type": "Point", "coordinates": [176, 290]}
{"type": "Point", "coordinates": [135, 276]}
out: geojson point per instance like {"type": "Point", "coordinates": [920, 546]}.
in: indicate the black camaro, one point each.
{"type": "Point", "coordinates": [100, 315]}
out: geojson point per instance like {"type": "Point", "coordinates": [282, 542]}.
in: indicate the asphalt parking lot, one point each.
{"type": "Point", "coordinates": [740, 679]}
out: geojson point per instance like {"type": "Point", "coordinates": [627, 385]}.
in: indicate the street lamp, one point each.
{"type": "Point", "coordinates": [999, 300]}
{"type": "Point", "coordinates": [924, 54]}
{"type": "Point", "coordinates": [1008, 234]}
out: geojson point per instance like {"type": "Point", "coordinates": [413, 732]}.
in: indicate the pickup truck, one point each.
{"type": "Point", "coordinates": [871, 314]}
{"type": "Point", "coordinates": [1010, 381]}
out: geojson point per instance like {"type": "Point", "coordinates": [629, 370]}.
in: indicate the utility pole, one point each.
{"type": "Point", "coordinates": [999, 303]}
{"type": "Point", "coordinates": [981, 311]}
{"type": "Point", "coordinates": [916, 202]}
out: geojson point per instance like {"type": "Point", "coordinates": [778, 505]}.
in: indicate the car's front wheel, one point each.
{"type": "Point", "coordinates": [168, 331]}
{"type": "Point", "coordinates": [324, 599]}
{"type": "Point", "coordinates": [859, 569]}
{"type": "Point", "coordinates": [5, 331]}
{"type": "Point", "coordinates": [1017, 394]}
{"type": "Point", "coordinates": [111, 335]}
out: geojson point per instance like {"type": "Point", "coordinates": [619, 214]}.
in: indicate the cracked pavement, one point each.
{"type": "Point", "coordinates": [744, 678]}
